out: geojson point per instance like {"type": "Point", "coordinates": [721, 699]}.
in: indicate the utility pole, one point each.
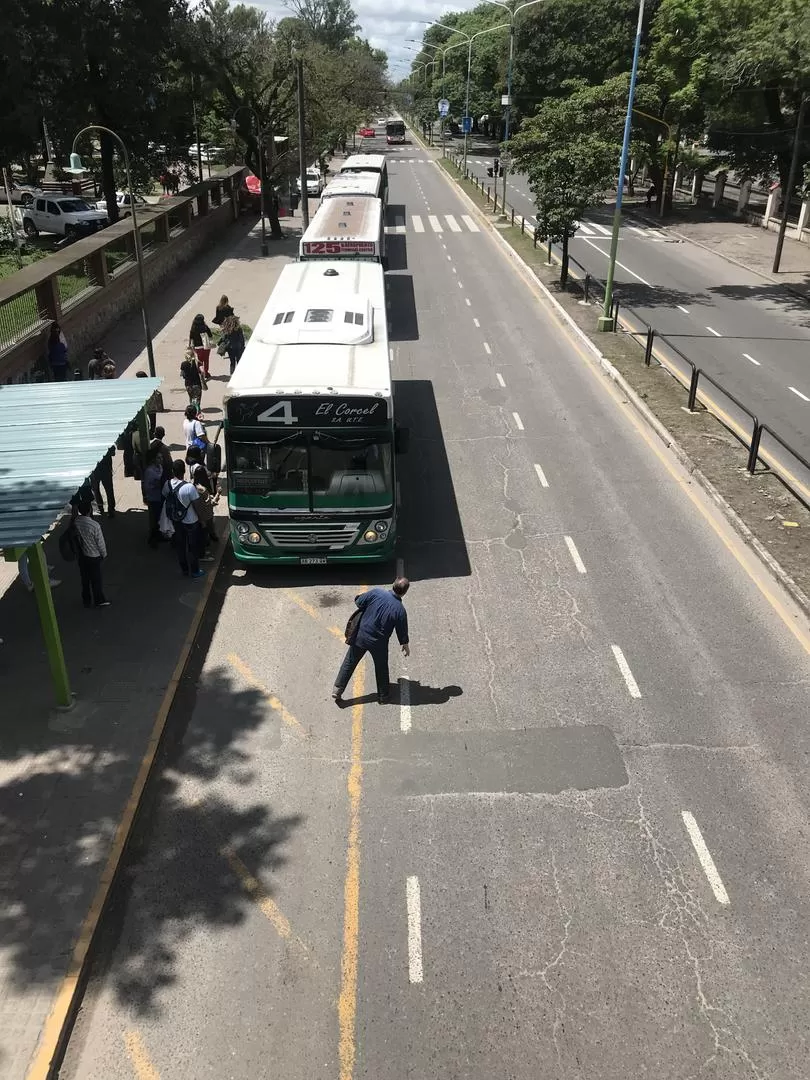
{"type": "Point", "coordinates": [791, 184]}
{"type": "Point", "coordinates": [302, 148]}
{"type": "Point", "coordinates": [605, 322]}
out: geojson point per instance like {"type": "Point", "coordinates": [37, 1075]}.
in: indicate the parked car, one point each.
{"type": "Point", "coordinates": [367, 132]}
{"type": "Point", "coordinates": [22, 194]}
{"type": "Point", "coordinates": [64, 215]}
{"type": "Point", "coordinates": [124, 201]}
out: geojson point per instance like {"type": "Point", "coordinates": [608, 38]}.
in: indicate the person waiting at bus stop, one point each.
{"type": "Point", "coordinates": [382, 613]}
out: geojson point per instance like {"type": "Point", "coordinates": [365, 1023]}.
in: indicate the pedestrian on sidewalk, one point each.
{"type": "Point", "coordinates": [193, 378]}
{"type": "Point", "coordinates": [102, 477]}
{"type": "Point", "coordinates": [199, 339]}
{"type": "Point", "coordinates": [25, 574]}
{"type": "Point", "coordinates": [99, 361]}
{"type": "Point", "coordinates": [152, 483]}
{"type": "Point", "coordinates": [651, 193]}
{"type": "Point", "coordinates": [57, 353]}
{"type": "Point", "coordinates": [233, 338]}
{"type": "Point", "coordinates": [382, 613]}
{"type": "Point", "coordinates": [181, 498]}
{"type": "Point", "coordinates": [194, 432]}
{"type": "Point", "coordinates": [224, 311]}
{"type": "Point", "coordinates": [92, 552]}
{"type": "Point", "coordinates": [163, 451]}
{"type": "Point", "coordinates": [151, 405]}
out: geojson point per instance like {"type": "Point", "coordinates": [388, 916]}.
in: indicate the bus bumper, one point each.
{"type": "Point", "coordinates": [266, 555]}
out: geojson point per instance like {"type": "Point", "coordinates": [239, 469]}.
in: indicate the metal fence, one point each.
{"type": "Point", "coordinates": [763, 445]}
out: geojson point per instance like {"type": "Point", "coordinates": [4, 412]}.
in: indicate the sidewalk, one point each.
{"type": "Point", "coordinates": [67, 779]}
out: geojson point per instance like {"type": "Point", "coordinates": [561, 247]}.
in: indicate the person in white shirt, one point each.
{"type": "Point", "coordinates": [92, 551]}
{"type": "Point", "coordinates": [193, 429]}
{"type": "Point", "coordinates": [187, 533]}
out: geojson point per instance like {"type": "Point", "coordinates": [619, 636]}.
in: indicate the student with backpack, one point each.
{"type": "Point", "coordinates": [180, 496]}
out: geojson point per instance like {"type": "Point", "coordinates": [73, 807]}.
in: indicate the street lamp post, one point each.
{"type": "Point", "coordinates": [513, 14]}
{"type": "Point", "coordinates": [787, 195]}
{"type": "Point", "coordinates": [260, 152]}
{"type": "Point", "coordinates": [467, 39]}
{"type": "Point", "coordinates": [438, 48]}
{"type": "Point", "coordinates": [605, 322]}
{"type": "Point", "coordinates": [76, 163]}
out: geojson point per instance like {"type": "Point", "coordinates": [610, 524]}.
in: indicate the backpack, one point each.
{"type": "Point", "coordinates": [69, 546]}
{"type": "Point", "coordinates": [175, 507]}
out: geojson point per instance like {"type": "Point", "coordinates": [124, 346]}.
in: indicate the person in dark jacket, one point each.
{"type": "Point", "coordinates": [57, 353]}
{"type": "Point", "coordinates": [152, 483]}
{"type": "Point", "coordinates": [383, 613]}
{"type": "Point", "coordinates": [234, 340]}
{"type": "Point", "coordinates": [103, 478]}
{"type": "Point", "coordinates": [199, 338]}
{"type": "Point", "coordinates": [223, 312]}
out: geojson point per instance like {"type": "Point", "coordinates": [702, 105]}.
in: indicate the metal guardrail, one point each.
{"type": "Point", "coordinates": [752, 442]}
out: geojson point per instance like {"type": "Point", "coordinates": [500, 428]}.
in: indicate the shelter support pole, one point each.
{"type": "Point", "coordinates": [38, 568]}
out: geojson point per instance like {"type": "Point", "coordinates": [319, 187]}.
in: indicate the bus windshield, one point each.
{"type": "Point", "coordinates": [319, 471]}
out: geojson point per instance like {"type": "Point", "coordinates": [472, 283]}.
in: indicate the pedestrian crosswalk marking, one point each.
{"type": "Point", "coordinates": [435, 224]}
{"type": "Point", "coordinates": [592, 228]}
{"type": "Point", "coordinates": [600, 228]}
{"type": "Point", "coordinates": [395, 230]}
{"type": "Point", "coordinates": [468, 221]}
{"type": "Point", "coordinates": [451, 221]}
{"type": "Point", "coordinates": [418, 226]}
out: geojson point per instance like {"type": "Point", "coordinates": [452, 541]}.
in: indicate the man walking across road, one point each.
{"type": "Point", "coordinates": [382, 613]}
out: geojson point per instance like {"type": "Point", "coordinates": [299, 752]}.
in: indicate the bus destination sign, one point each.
{"type": "Point", "coordinates": [307, 411]}
{"type": "Point", "coordinates": [338, 247]}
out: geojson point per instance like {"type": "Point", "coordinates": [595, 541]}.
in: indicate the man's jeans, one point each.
{"type": "Point", "coordinates": [187, 545]}
{"type": "Point", "coordinates": [354, 654]}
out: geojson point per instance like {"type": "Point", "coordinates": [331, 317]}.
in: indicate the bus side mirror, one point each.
{"type": "Point", "coordinates": [402, 437]}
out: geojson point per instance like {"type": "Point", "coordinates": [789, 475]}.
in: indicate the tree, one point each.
{"type": "Point", "coordinates": [569, 161]}
{"type": "Point", "coordinates": [331, 23]}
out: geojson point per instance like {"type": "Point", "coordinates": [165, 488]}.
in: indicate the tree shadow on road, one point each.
{"type": "Point", "coordinates": [773, 293]}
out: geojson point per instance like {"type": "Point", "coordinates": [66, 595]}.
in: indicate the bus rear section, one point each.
{"type": "Point", "coordinates": [346, 228]}
{"type": "Point", "coordinates": [365, 163]}
{"type": "Point", "coordinates": [394, 132]}
{"type": "Point", "coordinates": [309, 424]}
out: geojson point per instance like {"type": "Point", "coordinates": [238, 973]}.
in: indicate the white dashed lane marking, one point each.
{"type": "Point", "coordinates": [541, 476]}
{"type": "Point", "coordinates": [624, 668]}
{"type": "Point", "coordinates": [572, 548]}
{"type": "Point", "coordinates": [413, 899]}
{"type": "Point", "coordinates": [518, 422]}
{"type": "Point", "coordinates": [704, 855]}
{"type": "Point", "coordinates": [798, 393]}
{"type": "Point", "coordinates": [499, 377]}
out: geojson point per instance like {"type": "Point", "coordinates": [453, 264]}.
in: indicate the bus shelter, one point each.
{"type": "Point", "coordinates": [52, 436]}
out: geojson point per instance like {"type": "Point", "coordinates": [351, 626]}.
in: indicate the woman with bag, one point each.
{"type": "Point", "coordinates": [224, 310]}
{"type": "Point", "coordinates": [199, 340]}
{"type": "Point", "coordinates": [193, 379]}
{"type": "Point", "coordinates": [232, 342]}
{"type": "Point", "coordinates": [193, 430]}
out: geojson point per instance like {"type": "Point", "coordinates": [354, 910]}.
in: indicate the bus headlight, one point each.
{"type": "Point", "coordinates": [376, 533]}
{"type": "Point", "coordinates": [248, 533]}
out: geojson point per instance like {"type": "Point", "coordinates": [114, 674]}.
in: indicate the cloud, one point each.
{"type": "Point", "coordinates": [389, 23]}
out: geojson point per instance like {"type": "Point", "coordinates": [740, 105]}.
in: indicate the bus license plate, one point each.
{"type": "Point", "coordinates": [313, 560]}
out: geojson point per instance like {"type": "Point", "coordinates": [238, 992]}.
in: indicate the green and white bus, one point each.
{"type": "Point", "coordinates": [309, 422]}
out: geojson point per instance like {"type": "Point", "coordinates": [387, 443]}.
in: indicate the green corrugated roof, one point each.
{"type": "Point", "coordinates": [52, 436]}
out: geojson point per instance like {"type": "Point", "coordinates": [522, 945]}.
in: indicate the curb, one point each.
{"type": "Point", "coordinates": [774, 568]}
{"type": "Point", "coordinates": [59, 1023]}
{"type": "Point", "coordinates": [641, 216]}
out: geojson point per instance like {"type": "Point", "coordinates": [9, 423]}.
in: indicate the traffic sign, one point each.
{"type": "Point", "coordinates": [466, 125]}
{"type": "Point", "coordinates": [444, 106]}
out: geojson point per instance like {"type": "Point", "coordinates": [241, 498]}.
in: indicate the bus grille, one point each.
{"type": "Point", "coordinates": [308, 537]}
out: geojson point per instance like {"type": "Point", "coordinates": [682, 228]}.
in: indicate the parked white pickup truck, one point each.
{"type": "Point", "coordinates": [64, 215]}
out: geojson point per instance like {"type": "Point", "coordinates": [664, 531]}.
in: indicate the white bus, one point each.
{"type": "Point", "coordinates": [346, 228]}
{"type": "Point", "coordinates": [365, 163]}
{"type": "Point", "coordinates": [309, 424]}
{"type": "Point", "coordinates": [367, 184]}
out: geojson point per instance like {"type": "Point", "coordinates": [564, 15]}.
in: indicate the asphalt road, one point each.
{"type": "Point", "coordinates": [747, 333]}
{"type": "Point", "coordinates": [574, 846]}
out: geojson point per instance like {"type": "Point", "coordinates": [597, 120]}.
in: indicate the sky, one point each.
{"type": "Point", "coordinates": [389, 23]}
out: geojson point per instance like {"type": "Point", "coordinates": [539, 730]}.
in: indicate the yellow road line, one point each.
{"type": "Point", "coordinates": [138, 1056]}
{"type": "Point", "coordinates": [254, 888]}
{"type": "Point", "coordinates": [347, 1002]}
{"type": "Point", "coordinates": [57, 1025]}
{"type": "Point", "coordinates": [312, 612]}
{"type": "Point", "coordinates": [274, 703]}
